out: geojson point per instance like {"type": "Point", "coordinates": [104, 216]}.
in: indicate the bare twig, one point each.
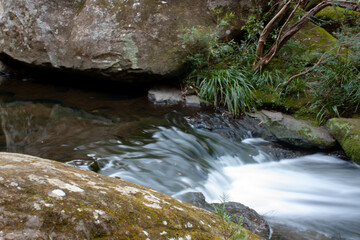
{"type": "Point", "coordinates": [320, 61]}
{"type": "Point", "coordinates": [303, 73]}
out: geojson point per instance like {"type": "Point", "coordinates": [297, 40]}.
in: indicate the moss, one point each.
{"type": "Point", "coordinates": [108, 208]}
{"type": "Point", "coordinates": [315, 38]}
{"type": "Point", "coordinates": [347, 132]}
{"type": "Point", "coordinates": [336, 14]}
{"type": "Point", "coordinates": [289, 104]}
{"type": "Point", "coordinates": [130, 49]}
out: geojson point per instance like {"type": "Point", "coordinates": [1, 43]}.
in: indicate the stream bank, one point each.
{"type": "Point", "coordinates": [176, 149]}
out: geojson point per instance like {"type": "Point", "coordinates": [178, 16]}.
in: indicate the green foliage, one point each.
{"type": "Point", "coordinates": [338, 90]}
{"type": "Point", "coordinates": [222, 70]}
{"type": "Point", "coordinates": [204, 42]}
{"type": "Point", "coordinates": [219, 75]}
{"type": "Point", "coordinates": [230, 230]}
{"type": "Point", "coordinates": [229, 87]}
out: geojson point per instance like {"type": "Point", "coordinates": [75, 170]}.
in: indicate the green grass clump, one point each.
{"type": "Point", "coordinates": [229, 87]}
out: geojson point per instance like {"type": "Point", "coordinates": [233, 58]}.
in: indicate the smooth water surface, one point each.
{"type": "Point", "coordinates": [156, 146]}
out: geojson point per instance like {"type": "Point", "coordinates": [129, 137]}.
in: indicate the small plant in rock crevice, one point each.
{"type": "Point", "coordinates": [231, 228]}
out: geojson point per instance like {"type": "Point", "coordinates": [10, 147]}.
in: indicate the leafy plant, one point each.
{"type": "Point", "coordinates": [338, 90]}
{"type": "Point", "coordinates": [217, 75]}
{"type": "Point", "coordinates": [230, 230]}
{"type": "Point", "coordinates": [229, 87]}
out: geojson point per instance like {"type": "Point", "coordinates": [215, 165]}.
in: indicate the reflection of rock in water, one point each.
{"type": "Point", "coordinates": [53, 131]}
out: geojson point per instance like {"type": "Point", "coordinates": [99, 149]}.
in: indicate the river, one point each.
{"type": "Point", "coordinates": [119, 133]}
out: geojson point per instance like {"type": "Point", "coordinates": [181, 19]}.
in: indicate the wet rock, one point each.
{"type": "Point", "coordinates": [41, 198]}
{"type": "Point", "coordinates": [287, 129]}
{"type": "Point", "coordinates": [192, 101]}
{"type": "Point", "coordinates": [283, 232]}
{"type": "Point", "coordinates": [134, 40]}
{"type": "Point", "coordinates": [165, 96]}
{"type": "Point", "coordinates": [250, 218]}
{"type": "Point", "coordinates": [347, 132]}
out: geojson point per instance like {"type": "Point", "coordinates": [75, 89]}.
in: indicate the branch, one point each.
{"type": "Point", "coordinates": [303, 73]}
{"type": "Point", "coordinates": [267, 30]}
{"type": "Point", "coordinates": [277, 43]}
{"type": "Point", "coordinates": [290, 32]}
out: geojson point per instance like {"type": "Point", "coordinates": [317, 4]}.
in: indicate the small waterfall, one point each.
{"type": "Point", "coordinates": [314, 193]}
{"type": "Point", "coordinates": [164, 149]}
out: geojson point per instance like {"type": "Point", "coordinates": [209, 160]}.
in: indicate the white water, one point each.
{"type": "Point", "coordinates": [313, 193]}
{"type": "Point", "coordinates": [312, 196]}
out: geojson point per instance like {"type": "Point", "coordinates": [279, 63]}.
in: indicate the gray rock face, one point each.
{"type": "Point", "coordinates": [165, 96]}
{"type": "Point", "coordinates": [118, 39]}
{"type": "Point", "coordinates": [300, 133]}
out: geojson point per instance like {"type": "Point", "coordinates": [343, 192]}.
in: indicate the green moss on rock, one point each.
{"type": "Point", "coordinates": [347, 132]}
{"type": "Point", "coordinates": [296, 132]}
{"type": "Point", "coordinates": [336, 14]}
{"type": "Point", "coordinates": [315, 38]}
{"type": "Point", "coordinates": [51, 198]}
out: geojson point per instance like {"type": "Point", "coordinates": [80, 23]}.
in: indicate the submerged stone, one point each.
{"type": "Point", "coordinates": [42, 199]}
{"type": "Point", "coordinates": [192, 101]}
{"type": "Point", "coordinates": [347, 132]}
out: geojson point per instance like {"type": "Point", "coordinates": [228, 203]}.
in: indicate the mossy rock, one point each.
{"type": "Point", "coordinates": [300, 133]}
{"type": "Point", "coordinates": [306, 45]}
{"type": "Point", "coordinates": [43, 199]}
{"type": "Point", "coordinates": [272, 99]}
{"type": "Point", "coordinates": [333, 17]}
{"type": "Point", "coordinates": [315, 38]}
{"type": "Point", "coordinates": [347, 132]}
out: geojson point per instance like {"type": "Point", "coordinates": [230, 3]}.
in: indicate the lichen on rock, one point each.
{"type": "Point", "coordinates": [347, 132]}
{"type": "Point", "coordinates": [41, 198]}
{"type": "Point", "coordinates": [111, 38]}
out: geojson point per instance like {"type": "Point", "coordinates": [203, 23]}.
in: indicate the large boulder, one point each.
{"type": "Point", "coordinates": [43, 199]}
{"type": "Point", "coordinates": [300, 133]}
{"type": "Point", "coordinates": [121, 40]}
{"type": "Point", "coordinates": [347, 132]}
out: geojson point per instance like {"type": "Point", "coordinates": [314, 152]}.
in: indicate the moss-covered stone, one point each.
{"type": "Point", "coordinates": [336, 14]}
{"type": "Point", "coordinates": [272, 99]}
{"type": "Point", "coordinates": [333, 18]}
{"type": "Point", "coordinates": [300, 133]}
{"type": "Point", "coordinates": [347, 132]}
{"type": "Point", "coordinates": [315, 38]}
{"type": "Point", "coordinates": [43, 199]}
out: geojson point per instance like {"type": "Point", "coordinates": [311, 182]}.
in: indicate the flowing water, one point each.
{"type": "Point", "coordinates": [311, 196]}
